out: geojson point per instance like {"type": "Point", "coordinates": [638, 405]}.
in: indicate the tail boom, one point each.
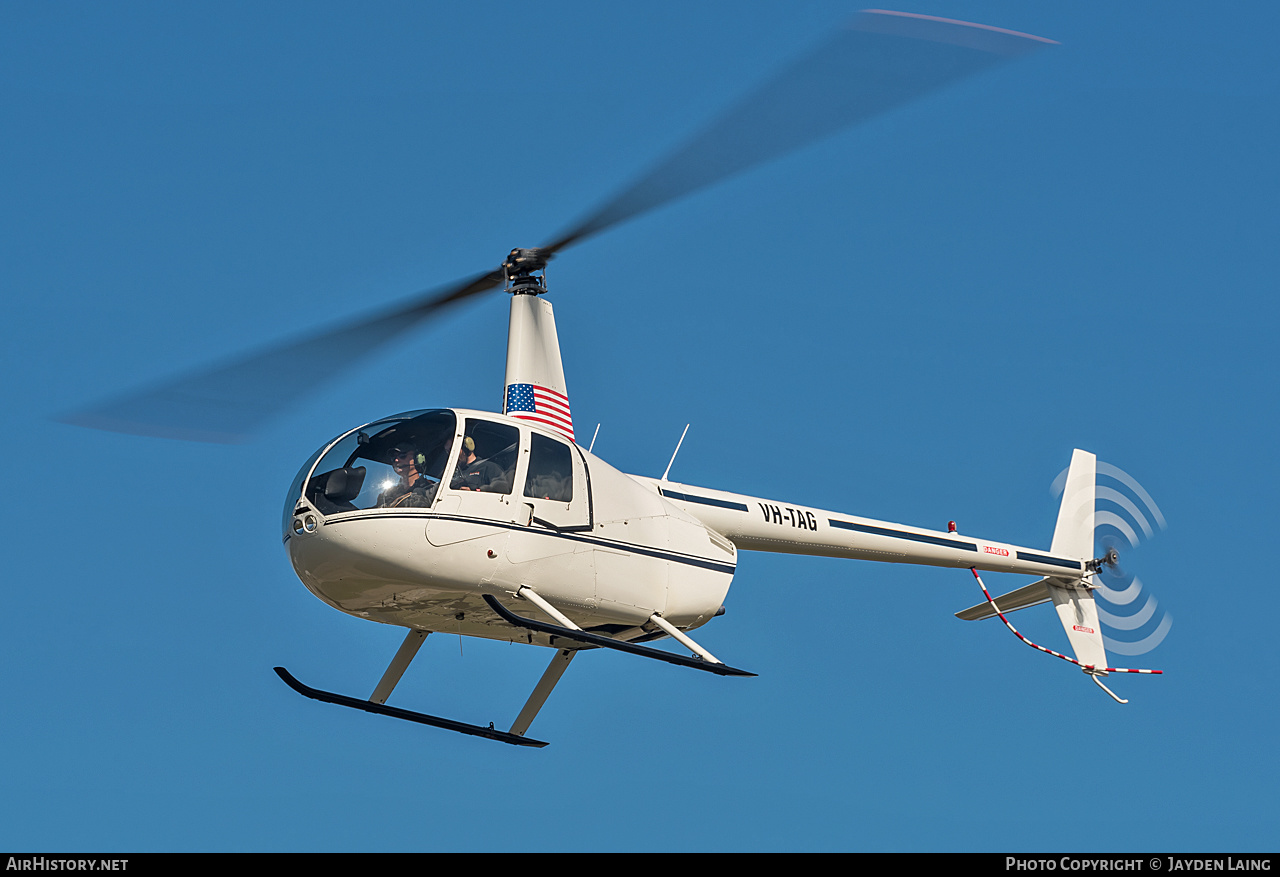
{"type": "Point", "coordinates": [756, 524]}
{"type": "Point", "coordinates": [1066, 570]}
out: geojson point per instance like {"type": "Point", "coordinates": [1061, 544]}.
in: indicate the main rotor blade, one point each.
{"type": "Point", "coordinates": [230, 401]}
{"type": "Point", "coordinates": [881, 60]}
{"type": "Point", "coordinates": [877, 62]}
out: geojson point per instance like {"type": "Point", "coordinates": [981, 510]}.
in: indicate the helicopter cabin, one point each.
{"type": "Point", "coordinates": [503, 504]}
{"type": "Point", "coordinates": [401, 463]}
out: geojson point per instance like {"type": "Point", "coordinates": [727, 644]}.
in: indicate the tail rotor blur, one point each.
{"type": "Point", "coordinates": [1125, 516]}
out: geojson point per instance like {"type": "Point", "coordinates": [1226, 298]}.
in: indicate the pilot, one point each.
{"type": "Point", "coordinates": [473, 474]}
{"type": "Point", "coordinates": [413, 490]}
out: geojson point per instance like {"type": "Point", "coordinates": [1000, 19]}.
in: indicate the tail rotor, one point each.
{"type": "Point", "coordinates": [1125, 516]}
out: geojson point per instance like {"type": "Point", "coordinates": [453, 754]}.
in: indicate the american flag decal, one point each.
{"type": "Point", "coordinates": [531, 402]}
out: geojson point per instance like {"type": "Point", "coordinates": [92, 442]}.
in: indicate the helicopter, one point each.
{"type": "Point", "coordinates": [500, 525]}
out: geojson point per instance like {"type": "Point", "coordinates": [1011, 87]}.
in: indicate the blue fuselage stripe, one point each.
{"type": "Point", "coordinates": [704, 500]}
{"type": "Point", "coordinates": [1052, 561]}
{"type": "Point", "coordinates": [903, 534]}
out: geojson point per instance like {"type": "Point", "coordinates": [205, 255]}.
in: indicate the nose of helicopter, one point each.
{"type": "Point", "coordinates": [362, 561]}
{"type": "Point", "coordinates": [305, 544]}
{"type": "Point", "coordinates": [331, 564]}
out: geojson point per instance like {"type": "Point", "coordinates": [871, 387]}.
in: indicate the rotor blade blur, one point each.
{"type": "Point", "coordinates": [229, 402]}
{"type": "Point", "coordinates": [879, 61]}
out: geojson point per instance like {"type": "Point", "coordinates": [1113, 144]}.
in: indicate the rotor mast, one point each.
{"type": "Point", "coordinates": [535, 388]}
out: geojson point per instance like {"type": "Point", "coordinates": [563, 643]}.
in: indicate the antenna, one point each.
{"type": "Point", "coordinates": [676, 451]}
{"type": "Point", "coordinates": [593, 438]}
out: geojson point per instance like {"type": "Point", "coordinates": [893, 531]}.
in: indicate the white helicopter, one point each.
{"type": "Point", "coordinates": [501, 526]}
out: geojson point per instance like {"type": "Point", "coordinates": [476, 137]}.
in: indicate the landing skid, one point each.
{"type": "Point", "coordinates": [422, 718]}
{"type": "Point", "coordinates": [559, 663]}
{"type": "Point", "coordinates": [593, 639]}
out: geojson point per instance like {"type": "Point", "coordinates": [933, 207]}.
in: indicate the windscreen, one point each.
{"type": "Point", "coordinates": [397, 462]}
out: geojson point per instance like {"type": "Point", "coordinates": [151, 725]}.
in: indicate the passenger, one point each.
{"type": "Point", "coordinates": [414, 490]}
{"type": "Point", "coordinates": [473, 474]}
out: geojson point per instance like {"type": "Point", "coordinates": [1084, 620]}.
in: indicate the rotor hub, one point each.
{"type": "Point", "coordinates": [526, 271]}
{"type": "Point", "coordinates": [1110, 559]}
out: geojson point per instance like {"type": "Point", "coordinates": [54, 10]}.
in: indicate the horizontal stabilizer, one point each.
{"type": "Point", "coordinates": [1029, 595]}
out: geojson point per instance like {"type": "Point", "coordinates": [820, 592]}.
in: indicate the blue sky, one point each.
{"type": "Point", "coordinates": [914, 321]}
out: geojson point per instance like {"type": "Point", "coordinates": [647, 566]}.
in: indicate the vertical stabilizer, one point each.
{"type": "Point", "coordinates": [1079, 616]}
{"type": "Point", "coordinates": [535, 387]}
{"type": "Point", "coordinates": [1073, 538]}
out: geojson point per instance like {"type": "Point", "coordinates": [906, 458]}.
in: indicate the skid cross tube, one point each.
{"type": "Point", "coordinates": [605, 642]}
{"type": "Point", "coordinates": [542, 691]}
{"type": "Point", "coordinates": [396, 713]}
